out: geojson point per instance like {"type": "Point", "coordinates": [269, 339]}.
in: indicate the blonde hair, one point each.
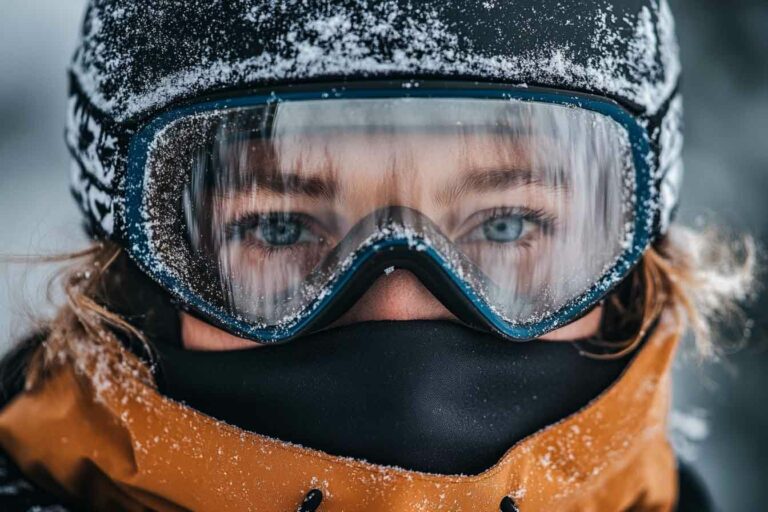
{"type": "Point", "coordinates": [699, 278]}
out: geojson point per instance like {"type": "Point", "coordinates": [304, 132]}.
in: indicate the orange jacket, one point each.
{"type": "Point", "coordinates": [117, 444]}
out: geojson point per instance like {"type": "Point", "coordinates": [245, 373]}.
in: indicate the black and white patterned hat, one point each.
{"type": "Point", "coordinates": [138, 57]}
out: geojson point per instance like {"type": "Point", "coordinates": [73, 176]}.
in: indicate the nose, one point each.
{"type": "Point", "coordinates": [398, 295]}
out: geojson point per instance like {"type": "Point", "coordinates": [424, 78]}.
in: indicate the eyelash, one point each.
{"type": "Point", "coordinates": [253, 220]}
{"type": "Point", "coordinates": [543, 219]}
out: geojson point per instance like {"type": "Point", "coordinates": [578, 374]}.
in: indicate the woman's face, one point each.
{"type": "Point", "coordinates": [481, 191]}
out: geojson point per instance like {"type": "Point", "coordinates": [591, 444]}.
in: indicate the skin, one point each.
{"type": "Point", "coordinates": [346, 176]}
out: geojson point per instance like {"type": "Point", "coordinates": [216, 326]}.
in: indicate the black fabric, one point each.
{"type": "Point", "coordinates": [424, 395]}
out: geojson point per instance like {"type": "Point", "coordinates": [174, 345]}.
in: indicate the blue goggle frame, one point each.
{"type": "Point", "coordinates": [140, 248]}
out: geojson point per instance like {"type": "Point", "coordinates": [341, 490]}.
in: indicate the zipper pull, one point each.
{"type": "Point", "coordinates": [508, 505]}
{"type": "Point", "coordinates": [311, 501]}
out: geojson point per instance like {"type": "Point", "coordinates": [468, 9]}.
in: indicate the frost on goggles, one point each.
{"type": "Point", "coordinates": [527, 204]}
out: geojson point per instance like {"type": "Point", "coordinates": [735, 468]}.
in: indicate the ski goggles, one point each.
{"type": "Point", "coordinates": [270, 215]}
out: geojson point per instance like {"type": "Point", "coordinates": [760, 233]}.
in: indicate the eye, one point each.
{"type": "Point", "coordinates": [280, 229]}
{"type": "Point", "coordinates": [508, 228]}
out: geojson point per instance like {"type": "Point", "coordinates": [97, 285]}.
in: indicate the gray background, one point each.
{"type": "Point", "coordinates": [720, 417]}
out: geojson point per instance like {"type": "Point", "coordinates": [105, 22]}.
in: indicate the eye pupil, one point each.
{"type": "Point", "coordinates": [281, 231]}
{"type": "Point", "coordinates": [503, 229]}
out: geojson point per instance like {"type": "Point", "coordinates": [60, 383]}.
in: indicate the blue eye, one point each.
{"type": "Point", "coordinates": [505, 229]}
{"type": "Point", "coordinates": [272, 230]}
{"type": "Point", "coordinates": [508, 226]}
{"type": "Point", "coordinates": [280, 230]}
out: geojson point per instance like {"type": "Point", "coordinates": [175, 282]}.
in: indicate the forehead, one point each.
{"type": "Point", "coordinates": [393, 134]}
{"type": "Point", "coordinates": [396, 150]}
{"type": "Point", "coordinates": [410, 138]}
{"type": "Point", "coordinates": [371, 163]}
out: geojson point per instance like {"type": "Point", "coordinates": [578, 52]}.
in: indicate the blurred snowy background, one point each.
{"type": "Point", "coordinates": [721, 411]}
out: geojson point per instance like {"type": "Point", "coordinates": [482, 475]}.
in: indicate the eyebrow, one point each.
{"type": "Point", "coordinates": [264, 171]}
{"type": "Point", "coordinates": [289, 184]}
{"type": "Point", "coordinates": [295, 184]}
{"type": "Point", "coordinates": [487, 180]}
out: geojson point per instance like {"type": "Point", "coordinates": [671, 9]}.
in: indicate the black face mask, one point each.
{"type": "Point", "coordinates": [423, 395]}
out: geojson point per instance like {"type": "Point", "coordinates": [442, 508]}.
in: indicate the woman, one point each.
{"type": "Point", "coordinates": [370, 257]}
